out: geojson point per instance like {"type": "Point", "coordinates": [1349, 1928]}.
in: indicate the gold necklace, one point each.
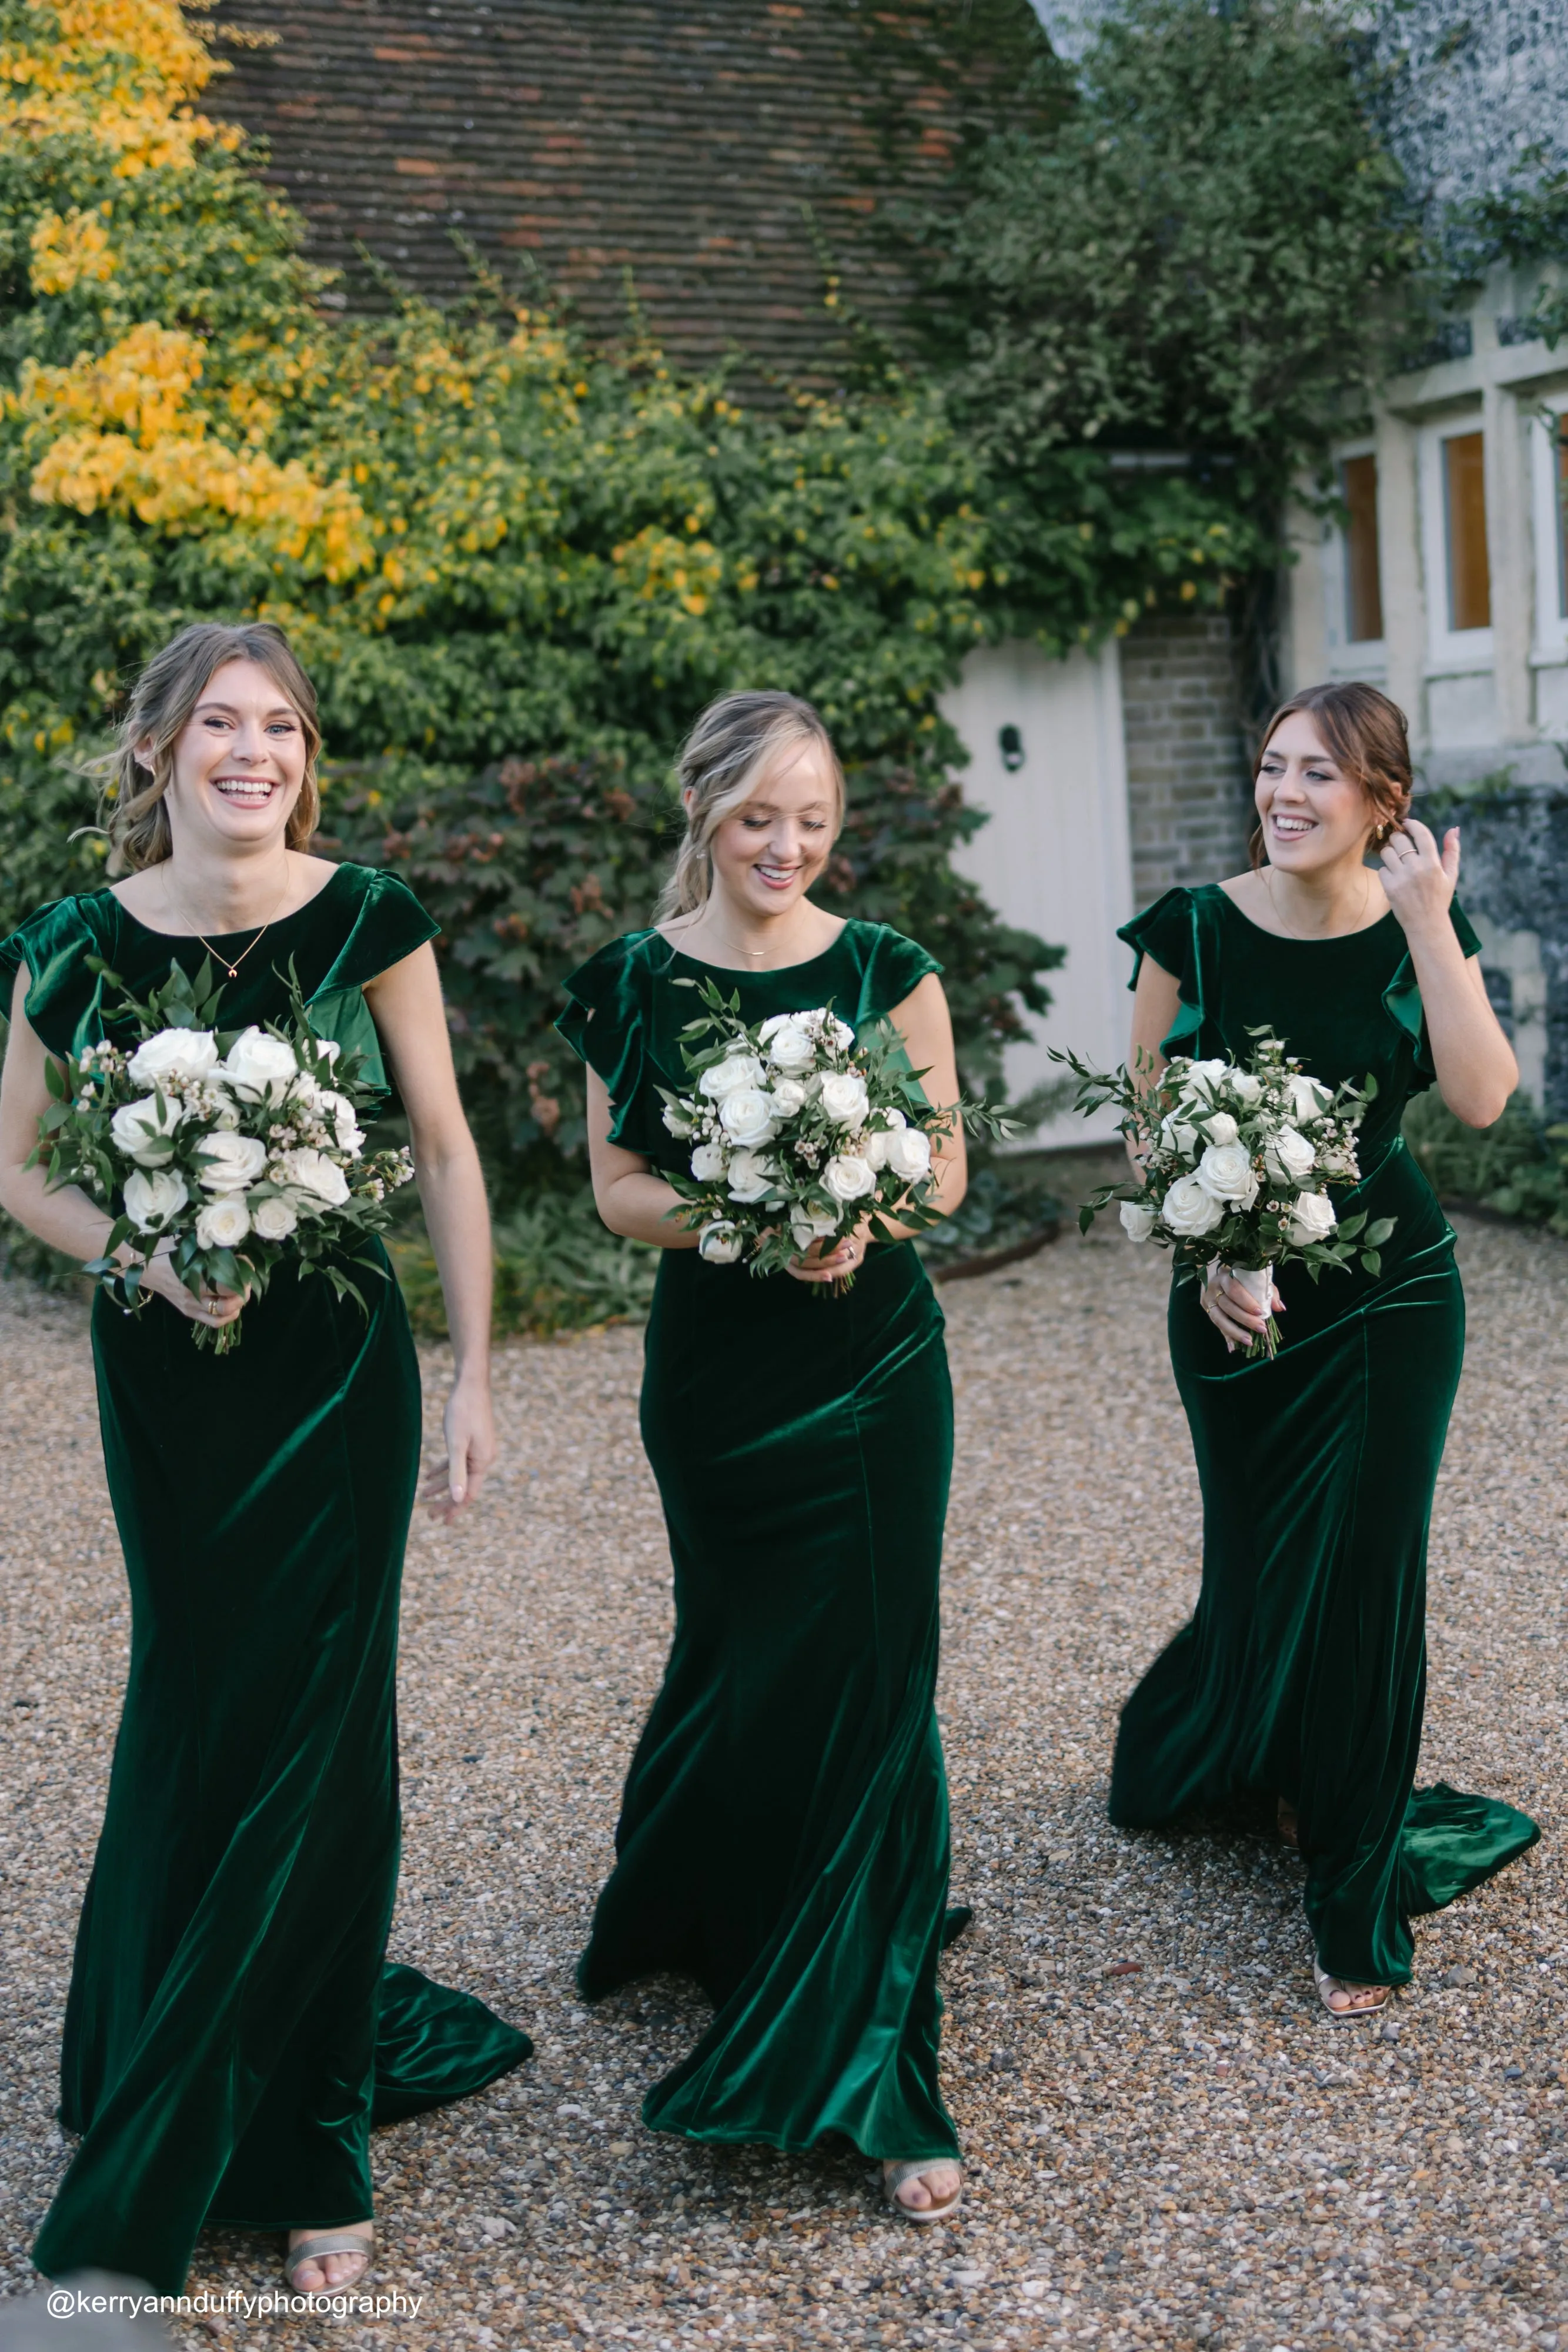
{"type": "Point", "coordinates": [1309, 939]}
{"type": "Point", "coordinates": [231, 969]}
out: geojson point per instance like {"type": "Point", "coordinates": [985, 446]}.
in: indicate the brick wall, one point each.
{"type": "Point", "coordinates": [1188, 804]}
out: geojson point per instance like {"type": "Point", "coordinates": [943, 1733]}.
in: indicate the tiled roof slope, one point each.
{"type": "Point", "coordinates": [675, 141]}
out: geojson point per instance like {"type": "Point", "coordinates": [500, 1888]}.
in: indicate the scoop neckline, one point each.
{"type": "Point", "coordinates": [201, 937]}
{"type": "Point", "coordinates": [745, 971]}
{"type": "Point", "coordinates": [1331, 938]}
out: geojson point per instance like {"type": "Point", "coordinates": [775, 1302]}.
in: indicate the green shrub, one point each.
{"type": "Point", "coordinates": [1516, 1168]}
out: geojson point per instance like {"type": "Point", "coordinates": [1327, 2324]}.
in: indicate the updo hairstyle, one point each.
{"type": "Point", "coordinates": [720, 766]}
{"type": "Point", "coordinates": [1370, 741]}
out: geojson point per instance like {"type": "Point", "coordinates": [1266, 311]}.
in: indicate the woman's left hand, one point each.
{"type": "Point", "coordinates": [470, 1450]}
{"type": "Point", "coordinates": [1418, 877]}
{"type": "Point", "coordinates": [848, 1258]}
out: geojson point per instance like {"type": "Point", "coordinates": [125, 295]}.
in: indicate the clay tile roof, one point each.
{"type": "Point", "coordinates": [676, 142]}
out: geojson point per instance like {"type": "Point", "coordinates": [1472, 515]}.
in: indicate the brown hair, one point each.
{"type": "Point", "coordinates": [719, 765]}
{"type": "Point", "coordinates": [1368, 738]}
{"type": "Point", "coordinates": [131, 802]}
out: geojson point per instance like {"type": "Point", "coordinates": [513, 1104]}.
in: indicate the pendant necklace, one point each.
{"type": "Point", "coordinates": [1307, 936]}
{"type": "Point", "coordinates": [231, 969]}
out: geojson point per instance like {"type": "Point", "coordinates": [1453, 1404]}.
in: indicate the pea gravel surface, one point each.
{"type": "Point", "coordinates": [1168, 2142]}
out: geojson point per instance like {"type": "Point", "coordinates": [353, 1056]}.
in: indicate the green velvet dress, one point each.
{"type": "Point", "coordinates": [1302, 1673]}
{"type": "Point", "coordinates": [233, 2028]}
{"type": "Point", "coordinates": [783, 1833]}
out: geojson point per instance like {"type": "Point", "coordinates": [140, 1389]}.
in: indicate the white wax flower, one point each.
{"type": "Point", "coordinates": [843, 1097]}
{"type": "Point", "coordinates": [707, 1162]}
{"type": "Point", "coordinates": [172, 1055]}
{"type": "Point", "coordinates": [1189, 1209]}
{"type": "Point", "coordinates": [259, 1068]}
{"type": "Point", "coordinates": [1289, 1156]}
{"type": "Point", "coordinates": [144, 1131]}
{"type": "Point", "coordinates": [909, 1154]}
{"type": "Point", "coordinates": [1312, 1218]}
{"type": "Point", "coordinates": [230, 1162]}
{"type": "Point", "coordinates": [275, 1218]}
{"type": "Point", "coordinates": [735, 1074]}
{"type": "Point", "coordinates": [1138, 1220]}
{"type": "Point", "coordinates": [746, 1114]}
{"type": "Point", "coordinates": [151, 1199]}
{"type": "Point", "coordinates": [848, 1177]}
{"type": "Point", "coordinates": [313, 1172]}
{"type": "Point", "coordinates": [1226, 1171]}
{"type": "Point", "coordinates": [222, 1222]}
{"type": "Point", "coordinates": [720, 1244]}
{"type": "Point", "coordinates": [752, 1176]}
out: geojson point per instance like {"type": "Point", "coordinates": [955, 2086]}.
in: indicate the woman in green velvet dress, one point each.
{"type": "Point", "coordinates": [783, 1835]}
{"type": "Point", "coordinates": [232, 2028]}
{"type": "Point", "coordinates": [1302, 1672]}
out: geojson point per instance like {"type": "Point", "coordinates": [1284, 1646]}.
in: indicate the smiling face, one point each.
{"type": "Point", "coordinates": [1311, 812]}
{"type": "Point", "coordinates": [767, 852]}
{"type": "Point", "coordinates": [239, 762]}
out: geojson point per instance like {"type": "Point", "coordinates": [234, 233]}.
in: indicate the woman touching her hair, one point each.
{"type": "Point", "coordinates": [1302, 1673]}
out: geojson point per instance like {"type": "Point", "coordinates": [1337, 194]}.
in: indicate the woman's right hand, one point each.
{"type": "Point", "coordinates": [217, 1308]}
{"type": "Point", "coordinates": [1235, 1313]}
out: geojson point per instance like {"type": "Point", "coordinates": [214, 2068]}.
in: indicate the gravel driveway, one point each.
{"type": "Point", "coordinates": [1168, 2144]}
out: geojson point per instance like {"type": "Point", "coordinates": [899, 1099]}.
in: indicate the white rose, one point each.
{"type": "Point", "coordinates": [1177, 1136]}
{"type": "Point", "coordinates": [1138, 1219]}
{"type": "Point", "coordinates": [1189, 1210]}
{"type": "Point", "coordinates": [840, 1032]}
{"type": "Point", "coordinates": [843, 1097]}
{"type": "Point", "coordinates": [789, 1095]}
{"type": "Point", "coordinates": [222, 1222]}
{"type": "Point", "coordinates": [172, 1055]}
{"type": "Point", "coordinates": [224, 1113]}
{"type": "Point", "coordinates": [350, 1135]}
{"type": "Point", "coordinates": [275, 1218]}
{"type": "Point", "coordinates": [143, 1130]}
{"type": "Point", "coordinates": [1308, 1100]}
{"type": "Point", "coordinates": [746, 1115]}
{"type": "Point", "coordinates": [1203, 1079]}
{"type": "Point", "coordinates": [1245, 1086]}
{"type": "Point", "coordinates": [1289, 1156]}
{"type": "Point", "coordinates": [909, 1154]}
{"type": "Point", "coordinates": [1221, 1127]}
{"type": "Point", "coordinates": [709, 1163]}
{"type": "Point", "coordinates": [230, 1162]}
{"type": "Point", "coordinates": [790, 1046]}
{"type": "Point", "coordinates": [1312, 1218]}
{"type": "Point", "coordinates": [260, 1068]}
{"type": "Point", "coordinates": [752, 1176]}
{"type": "Point", "coordinates": [848, 1177]}
{"type": "Point", "coordinates": [313, 1172]}
{"type": "Point", "coordinates": [720, 1244]}
{"type": "Point", "coordinates": [151, 1200]}
{"type": "Point", "coordinates": [735, 1074]}
{"type": "Point", "coordinates": [676, 1122]}
{"type": "Point", "coordinates": [810, 1225]}
{"type": "Point", "coordinates": [1226, 1171]}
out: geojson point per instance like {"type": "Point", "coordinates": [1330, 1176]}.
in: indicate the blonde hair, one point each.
{"type": "Point", "coordinates": [719, 765]}
{"type": "Point", "coordinates": [131, 808]}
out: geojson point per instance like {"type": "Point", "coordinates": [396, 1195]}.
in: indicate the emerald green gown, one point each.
{"type": "Point", "coordinates": [232, 2028]}
{"type": "Point", "coordinates": [1302, 1672]}
{"type": "Point", "coordinates": [783, 1833]}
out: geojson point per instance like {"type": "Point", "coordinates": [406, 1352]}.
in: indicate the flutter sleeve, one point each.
{"type": "Point", "coordinates": [1402, 999]}
{"type": "Point", "coordinates": [64, 997]}
{"type": "Point", "coordinates": [606, 1025]}
{"type": "Point", "coordinates": [895, 970]}
{"type": "Point", "coordinates": [1168, 933]}
{"type": "Point", "coordinates": [389, 924]}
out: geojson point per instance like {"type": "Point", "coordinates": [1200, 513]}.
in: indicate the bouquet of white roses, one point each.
{"type": "Point", "coordinates": [798, 1131]}
{"type": "Point", "coordinates": [232, 1150]}
{"type": "Point", "coordinates": [1237, 1159]}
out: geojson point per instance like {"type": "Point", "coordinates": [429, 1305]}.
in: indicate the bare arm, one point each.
{"type": "Point", "coordinates": [68, 1219]}
{"type": "Point", "coordinates": [406, 1003]}
{"type": "Point", "coordinates": [1476, 1069]}
{"type": "Point", "coordinates": [629, 1197]}
{"type": "Point", "coordinates": [1155, 1003]}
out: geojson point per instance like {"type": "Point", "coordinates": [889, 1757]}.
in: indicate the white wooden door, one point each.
{"type": "Point", "coordinates": [1055, 856]}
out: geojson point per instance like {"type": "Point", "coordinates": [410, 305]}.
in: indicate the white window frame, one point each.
{"type": "Point", "coordinates": [1449, 652]}
{"type": "Point", "coordinates": [1348, 656]}
{"type": "Point", "coordinates": [1551, 530]}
